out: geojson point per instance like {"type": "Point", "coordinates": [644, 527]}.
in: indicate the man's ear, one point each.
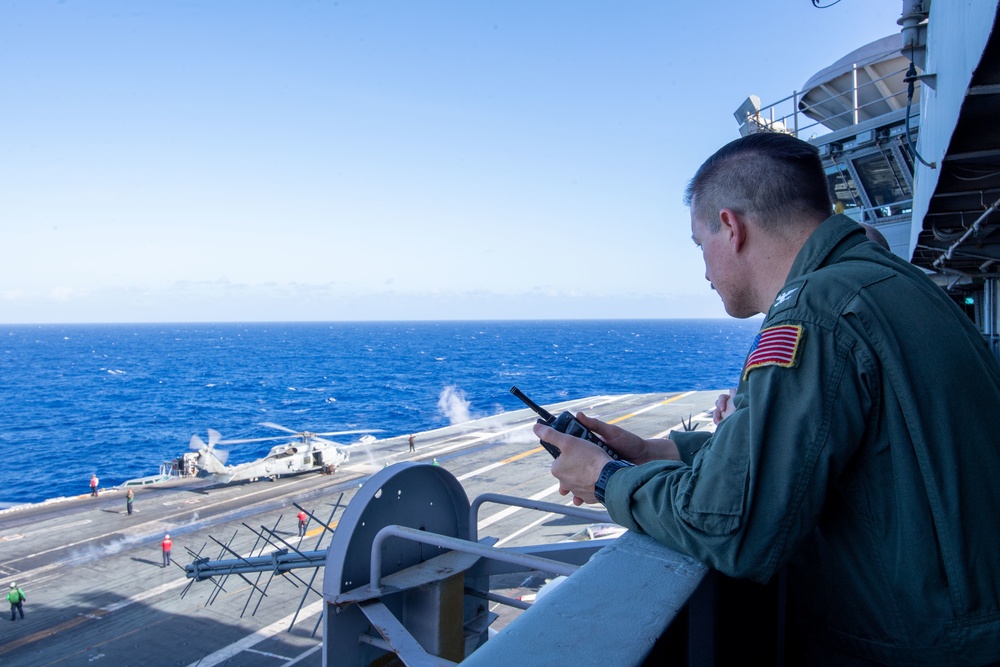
{"type": "Point", "coordinates": [735, 228]}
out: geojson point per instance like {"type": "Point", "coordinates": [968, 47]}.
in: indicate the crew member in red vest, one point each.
{"type": "Point", "coordinates": [302, 523]}
{"type": "Point", "coordinates": [93, 484]}
{"type": "Point", "coordinates": [166, 544]}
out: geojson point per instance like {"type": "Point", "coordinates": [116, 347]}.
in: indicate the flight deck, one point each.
{"type": "Point", "coordinates": [97, 593]}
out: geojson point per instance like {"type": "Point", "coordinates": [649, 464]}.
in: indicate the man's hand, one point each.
{"type": "Point", "coordinates": [580, 462]}
{"type": "Point", "coordinates": [628, 445]}
{"type": "Point", "coordinates": [578, 466]}
{"type": "Point", "coordinates": [723, 406]}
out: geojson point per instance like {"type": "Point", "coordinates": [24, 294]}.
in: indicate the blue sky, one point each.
{"type": "Point", "coordinates": [310, 160]}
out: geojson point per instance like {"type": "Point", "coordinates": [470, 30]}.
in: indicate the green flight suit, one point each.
{"type": "Point", "coordinates": [869, 465]}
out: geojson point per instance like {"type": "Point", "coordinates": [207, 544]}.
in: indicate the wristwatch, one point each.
{"type": "Point", "coordinates": [609, 469]}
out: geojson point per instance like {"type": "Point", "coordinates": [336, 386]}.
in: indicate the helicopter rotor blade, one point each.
{"type": "Point", "coordinates": [279, 427]}
{"type": "Point", "coordinates": [213, 437]}
{"type": "Point", "coordinates": [300, 433]}
{"type": "Point", "coordinates": [241, 441]}
{"type": "Point", "coordinates": [222, 455]}
{"type": "Point", "coordinates": [197, 443]}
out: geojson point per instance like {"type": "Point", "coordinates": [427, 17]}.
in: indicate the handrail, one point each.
{"type": "Point", "coordinates": [851, 106]}
{"type": "Point", "coordinates": [457, 544]}
{"type": "Point", "coordinates": [566, 510]}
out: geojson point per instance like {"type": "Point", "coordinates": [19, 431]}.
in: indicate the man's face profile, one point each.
{"type": "Point", "coordinates": [722, 267]}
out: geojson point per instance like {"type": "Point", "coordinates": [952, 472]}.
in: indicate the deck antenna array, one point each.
{"type": "Point", "coordinates": [274, 555]}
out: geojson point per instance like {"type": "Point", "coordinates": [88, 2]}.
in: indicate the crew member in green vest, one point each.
{"type": "Point", "coordinates": [16, 599]}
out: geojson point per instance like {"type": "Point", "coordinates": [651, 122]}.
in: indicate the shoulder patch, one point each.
{"type": "Point", "coordinates": [774, 346]}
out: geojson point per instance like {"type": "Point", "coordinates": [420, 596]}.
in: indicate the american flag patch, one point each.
{"type": "Point", "coordinates": [774, 346]}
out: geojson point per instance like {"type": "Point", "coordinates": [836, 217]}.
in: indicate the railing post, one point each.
{"type": "Point", "coordinates": [854, 86]}
{"type": "Point", "coordinates": [795, 112]}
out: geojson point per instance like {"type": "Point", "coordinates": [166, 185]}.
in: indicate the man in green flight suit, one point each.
{"type": "Point", "coordinates": [862, 455]}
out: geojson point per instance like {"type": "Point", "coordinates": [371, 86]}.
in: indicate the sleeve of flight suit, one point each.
{"type": "Point", "coordinates": [689, 442]}
{"type": "Point", "coordinates": [755, 489]}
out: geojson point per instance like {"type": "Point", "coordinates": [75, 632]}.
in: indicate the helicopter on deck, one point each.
{"type": "Point", "coordinates": [307, 452]}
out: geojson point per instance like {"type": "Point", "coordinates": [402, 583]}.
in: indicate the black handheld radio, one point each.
{"type": "Point", "coordinates": [564, 423]}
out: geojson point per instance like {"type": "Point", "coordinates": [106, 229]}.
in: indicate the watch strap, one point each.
{"type": "Point", "coordinates": [609, 469]}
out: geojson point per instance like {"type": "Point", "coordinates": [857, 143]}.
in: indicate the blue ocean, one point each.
{"type": "Point", "coordinates": [120, 399]}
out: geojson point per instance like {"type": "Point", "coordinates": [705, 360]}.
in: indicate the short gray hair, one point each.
{"type": "Point", "coordinates": [774, 178]}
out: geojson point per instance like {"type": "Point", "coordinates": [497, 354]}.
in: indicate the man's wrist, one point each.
{"type": "Point", "coordinates": [609, 469]}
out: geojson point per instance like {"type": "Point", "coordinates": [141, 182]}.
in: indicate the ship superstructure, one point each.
{"type": "Point", "coordinates": [906, 127]}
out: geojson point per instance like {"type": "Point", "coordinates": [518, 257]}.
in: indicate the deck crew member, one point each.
{"type": "Point", "coordinates": [129, 499]}
{"type": "Point", "coordinates": [412, 438]}
{"type": "Point", "coordinates": [16, 598]}
{"type": "Point", "coordinates": [93, 484]}
{"type": "Point", "coordinates": [167, 544]}
{"type": "Point", "coordinates": [863, 450]}
{"type": "Point", "coordinates": [302, 523]}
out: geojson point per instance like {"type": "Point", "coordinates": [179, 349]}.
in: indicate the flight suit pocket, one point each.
{"type": "Point", "coordinates": [715, 492]}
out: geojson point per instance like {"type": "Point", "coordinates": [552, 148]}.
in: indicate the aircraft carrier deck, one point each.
{"type": "Point", "coordinates": [97, 594]}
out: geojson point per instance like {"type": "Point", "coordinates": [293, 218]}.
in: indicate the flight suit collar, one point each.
{"type": "Point", "coordinates": [832, 238]}
{"type": "Point", "coordinates": [835, 236]}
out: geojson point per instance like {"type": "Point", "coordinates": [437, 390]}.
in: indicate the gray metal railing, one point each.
{"type": "Point", "coordinates": [777, 117]}
{"type": "Point", "coordinates": [631, 591]}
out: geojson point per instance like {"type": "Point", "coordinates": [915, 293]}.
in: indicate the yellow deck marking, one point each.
{"type": "Point", "coordinates": [650, 407]}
